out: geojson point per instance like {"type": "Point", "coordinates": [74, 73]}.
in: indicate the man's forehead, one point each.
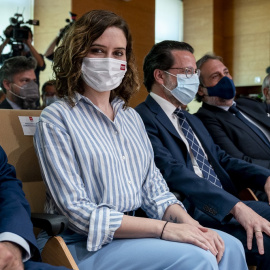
{"type": "Point", "coordinates": [212, 65]}
{"type": "Point", "coordinates": [181, 55]}
{"type": "Point", "coordinates": [25, 74]}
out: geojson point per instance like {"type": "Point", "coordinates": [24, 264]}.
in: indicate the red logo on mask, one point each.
{"type": "Point", "coordinates": [122, 67]}
{"type": "Point", "coordinates": [31, 118]}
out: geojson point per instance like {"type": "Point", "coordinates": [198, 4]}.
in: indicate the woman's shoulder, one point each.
{"type": "Point", "coordinates": [56, 110]}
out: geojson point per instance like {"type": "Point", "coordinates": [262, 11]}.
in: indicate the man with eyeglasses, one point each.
{"type": "Point", "coordinates": [241, 127]}
{"type": "Point", "coordinates": [189, 160]}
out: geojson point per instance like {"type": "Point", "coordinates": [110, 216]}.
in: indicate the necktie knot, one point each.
{"type": "Point", "coordinates": [178, 112]}
{"type": "Point", "coordinates": [233, 109]}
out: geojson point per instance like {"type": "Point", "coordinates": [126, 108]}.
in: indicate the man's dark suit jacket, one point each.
{"type": "Point", "coordinates": [15, 212]}
{"type": "Point", "coordinates": [173, 160]}
{"type": "Point", "coordinates": [235, 137]}
{"type": "Point", "coordinates": [5, 105]}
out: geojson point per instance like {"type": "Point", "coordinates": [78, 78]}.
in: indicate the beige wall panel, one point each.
{"type": "Point", "coordinates": [250, 58]}
{"type": "Point", "coordinates": [250, 16]}
{"type": "Point", "coordinates": [218, 25]}
{"type": "Point", "coordinates": [52, 15]}
{"type": "Point", "coordinates": [198, 25]}
{"type": "Point", "coordinates": [140, 16]}
{"type": "Point", "coordinates": [246, 34]}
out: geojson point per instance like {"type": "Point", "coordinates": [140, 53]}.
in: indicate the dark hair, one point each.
{"type": "Point", "coordinates": [160, 57]}
{"type": "Point", "coordinates": [199, 63]}
{"type": "Point", "coordinates": [75, 45]}
{"type": "Point", "coordinates": [15, 65]}
{"type": "Point", "coordinates": [50, 83]}
{"type": "Point", "coordinates": [25, 27]}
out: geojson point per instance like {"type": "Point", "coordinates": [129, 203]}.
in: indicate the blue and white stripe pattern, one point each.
{"type": "Point", "coordinates": [95, 169]}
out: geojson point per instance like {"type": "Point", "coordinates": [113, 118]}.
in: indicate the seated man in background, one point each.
{"type": "Point", "coordinates": [190, 161]}
{"type": "Point", "coordinates": [18, 81]}
{"type": "Point", "coordinates": [266, 89]}
{"type": "Point", "coordinates": [18, 247]}
{"type": "Point", "coordinates": [48, 93]}
{"type": "Point", "coordinates": [241, 127]}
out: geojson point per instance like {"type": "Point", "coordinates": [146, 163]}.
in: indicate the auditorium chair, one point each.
{"type": "Point", "coordinates": [21, 154]}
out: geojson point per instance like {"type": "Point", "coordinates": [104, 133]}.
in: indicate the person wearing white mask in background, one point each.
{"type": "Point", "coordinates": [48, 93]}
{"type": "Point", "coordinates": [99, 168]}
{"type": "Point", "coordinates": [18, 81]}
{"type": "Point", "coordinates": [207, 179]}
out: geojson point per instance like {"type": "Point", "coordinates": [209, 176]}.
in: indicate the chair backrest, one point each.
{"type": "Point", "coordinates": [21, 154]}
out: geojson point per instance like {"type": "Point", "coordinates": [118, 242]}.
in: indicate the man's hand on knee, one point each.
{"type": "Point", "coordinates": [253, 223]}
{"type": "Point", "coordinates": [10, 256]}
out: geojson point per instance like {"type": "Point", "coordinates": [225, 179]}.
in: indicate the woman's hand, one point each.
{"type": "Point", "coordinates": [216, 242]}
{"type": "Point", "coordinates": [195, 235]}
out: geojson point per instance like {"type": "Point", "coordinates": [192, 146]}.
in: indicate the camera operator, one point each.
{"type": "Point", "coordinates": [23, 48]}
{"type": "Point", "coordinates": [49, 53]}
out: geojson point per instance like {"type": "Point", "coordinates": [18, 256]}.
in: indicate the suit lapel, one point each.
{"type": "Point", "coordinates": [161, 116]}
{"type": "Point", "coordinates": [225, 116]}
{"type": "Point", "coordinates": [263, 119]}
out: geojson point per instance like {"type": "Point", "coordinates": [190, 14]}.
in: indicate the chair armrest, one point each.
{"type": "Point", "coordinates": [51, 223]}
{"type": "Point", "coordinates": [247, 195]}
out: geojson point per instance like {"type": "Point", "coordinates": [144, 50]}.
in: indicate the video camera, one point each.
{"type": "Point", "coordinates": [18, 33]}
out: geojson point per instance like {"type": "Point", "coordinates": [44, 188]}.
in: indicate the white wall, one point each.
{"type": "Point", "coordinates": [169, 20]}
{"type": "Point", "coordinates": [9, 8]}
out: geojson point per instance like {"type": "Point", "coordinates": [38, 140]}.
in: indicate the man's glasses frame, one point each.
{"type": "Point", "coordinates": [188, 71]}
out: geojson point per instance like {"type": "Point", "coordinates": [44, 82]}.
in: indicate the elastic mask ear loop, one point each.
{"type": "Point", "coordinates": [164, 85]}
{"type": "Point", "coordinates": [166, 88]}
{"type": "Point", "coordinates": [170, 73]}
{"type": "Point", "coordinates": [16, 94]}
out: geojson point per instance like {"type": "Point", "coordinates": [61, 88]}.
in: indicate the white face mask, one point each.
{"type": "Point", "coordinates": [103, 74]}
{"type": "Point", "coordinates": [186, 88]}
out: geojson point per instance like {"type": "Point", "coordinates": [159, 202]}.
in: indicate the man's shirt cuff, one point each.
{"type": "Point", "coordinates": [12, 237]}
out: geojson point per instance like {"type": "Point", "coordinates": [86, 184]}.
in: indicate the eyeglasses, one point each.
{"type": "Point", "coordinates": [189, 71]}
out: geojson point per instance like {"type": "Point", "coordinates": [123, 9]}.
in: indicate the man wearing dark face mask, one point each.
{"type": "Point", "coordinates": [18, 81]}
{"type": "Point", "coordinates": [241, 127]}
{"type": "Point", "coordinates": [191, 163]}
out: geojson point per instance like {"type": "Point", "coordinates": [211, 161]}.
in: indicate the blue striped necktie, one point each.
{"type": "Point", "coordinates": [253, 127]}
{"type": "Point", "coordinates": [197, 151]}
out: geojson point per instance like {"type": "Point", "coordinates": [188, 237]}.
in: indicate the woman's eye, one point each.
{"type": "Point", "coordinates": [119, 53]}
{"type": "Point", "coordinates": [96, 50]}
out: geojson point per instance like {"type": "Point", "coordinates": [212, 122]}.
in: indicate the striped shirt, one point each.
{"type": "Point", "coordinates": [95, 169]}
